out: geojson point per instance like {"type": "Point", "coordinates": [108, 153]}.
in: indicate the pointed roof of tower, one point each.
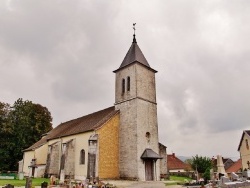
{"type": "Point", "coordinates": [134, 55]}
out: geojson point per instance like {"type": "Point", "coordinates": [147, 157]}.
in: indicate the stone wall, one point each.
{"type": "Point", "coordinates": [53, 163]}
{"type": "Point", "coordinates": [138, 115]}
{"type": "Point", "coordinates": [70, 158]}
{"type": "Point", "coordinates": [128, 140]}
{"type": "Point", "coordinates": [163, 161]}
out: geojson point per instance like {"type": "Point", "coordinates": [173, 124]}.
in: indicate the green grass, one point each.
{"type": "Point", "coordinates": [174, 180]}
{"type": "Point", "coordinates": [35, 182]}
{"type": "Point", "coordinates": [179, 178]}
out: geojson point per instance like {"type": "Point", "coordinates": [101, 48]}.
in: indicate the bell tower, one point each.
{"type": "Point", "coordinates": [135, 97]}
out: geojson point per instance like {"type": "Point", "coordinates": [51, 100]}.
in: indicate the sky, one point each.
{"type": "Point", "coordinates": [62, 54]}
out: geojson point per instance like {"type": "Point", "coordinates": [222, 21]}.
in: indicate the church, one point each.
{"type": "Point", "coordinates": [119, 142]}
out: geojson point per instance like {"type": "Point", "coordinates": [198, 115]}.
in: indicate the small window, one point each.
{"type": "Point", "coordinates": [123, 86]}
{"type": "Point", "coordinates": [82, 156]}
{"type": "Point", "coordinates": [148, 136]}
{"type": "Point", "coordinates": [247, 146]}
{"type": "Point", "coordinates": [128, 83]}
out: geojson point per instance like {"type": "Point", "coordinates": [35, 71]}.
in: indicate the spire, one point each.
{"type": "Point", "coordinates": [134, 55]}
{"type": "Point", "coordinates": [134, 39]}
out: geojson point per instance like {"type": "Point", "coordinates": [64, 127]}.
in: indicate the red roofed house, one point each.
{"type": "Point", "coordinates": [236, 167]}
{"type": "Point", "coordinates": [175, 164]}
{"type": "Point", "coordinates": [226, 161]}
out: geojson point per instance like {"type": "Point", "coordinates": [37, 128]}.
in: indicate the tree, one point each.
{"type": "Point", "coordinates": [5, 133]}
{"type": "Point", "coordinates": [27, 122]}
{"type": "Point", "coordinates": [200, 163]}
{"type": "Point", "coordinates": [206, 174]}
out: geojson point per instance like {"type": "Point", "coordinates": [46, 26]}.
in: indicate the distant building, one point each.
{"type": "Point", "coordinates": [244, 149]}
{"type": "Point", "coordinates": [226, 161]}
{"type": "Point", "coordinates": [174, 164]}
{"type": "Point", "coordinates": [236, 168]}
{"type": "Point", "coordinates": [117, 142]}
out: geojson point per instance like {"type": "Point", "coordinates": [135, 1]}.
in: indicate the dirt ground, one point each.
{"type": "Point", "coordinates": [142, 184]}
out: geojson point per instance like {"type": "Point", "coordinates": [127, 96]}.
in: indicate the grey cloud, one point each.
{"type": "Point", "coordinates": [62, 54]}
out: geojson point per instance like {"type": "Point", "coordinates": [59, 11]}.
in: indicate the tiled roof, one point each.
{"type": "Point", "coordinates": [174, 163]}
{"type": "Point", "coordinates": [134, 55]}
{"type": "Point", "coordinates": [80, 125]}
{"type": "Point", "coordinates": [224, 160]}
{"type": "Point", "coordinates": [235, 167]}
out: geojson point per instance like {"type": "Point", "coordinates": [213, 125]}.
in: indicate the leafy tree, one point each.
{"type": "Point", "coordinates": [206, 175]}
{"type": "Point", "coordinates": [201, 164]}
{"type": "Point", "coordinates": [5, 133]}
{"type": "Point", "coordinates": [26, 123]}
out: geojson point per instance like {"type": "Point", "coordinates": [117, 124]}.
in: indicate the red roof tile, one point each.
{"type": "Point", "coordinates": [174, 163]}
{"type": "Point", "coordinates": [235, 167]}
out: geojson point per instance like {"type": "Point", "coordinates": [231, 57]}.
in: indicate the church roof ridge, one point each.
{"type": "Point", "coordinates": [82, 124]}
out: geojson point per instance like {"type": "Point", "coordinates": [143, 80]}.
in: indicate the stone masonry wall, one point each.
{"type": "Point", "coordinates": [163, 161]}
{"type": "Point", "coordinates": [128, 140]}
{"type": "Point", "coordinates": [69, 168]}
{"type": "Point", "coordinates": [54, 159]}
{"type": "Point", "coordinates": [146, 122]}
{"type": "Point", "coordinates": [138, 115]}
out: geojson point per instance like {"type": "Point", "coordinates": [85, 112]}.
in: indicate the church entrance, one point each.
{"type": "Point", "coordinates": [149, 158]}
{"type": "Point", "coordinates": [149, 170]}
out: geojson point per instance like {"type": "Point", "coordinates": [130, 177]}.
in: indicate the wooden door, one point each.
{"type": "Point", "coordinates": [149, 170]}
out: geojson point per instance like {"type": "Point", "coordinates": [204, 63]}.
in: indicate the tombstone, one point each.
{"type": "Point", "coordinates": [28, 183]}
{"type": "Point", "coordinates": [44, 184]}
{"type": "Point", "coordinates": [9, 186]}
{"type": "Point", "coordinates": [234, 176]}
{"type": "Point", "coordinates": [223, 180]}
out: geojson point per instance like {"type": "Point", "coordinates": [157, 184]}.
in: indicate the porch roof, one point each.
{"type": "Point", "coordinates": [150, 154]}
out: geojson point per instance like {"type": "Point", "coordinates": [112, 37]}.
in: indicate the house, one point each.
{"type": "Point", "coordinates": [174, 164]}
{"type": "Point", "coordinates": [235, 168]}
{"type": "Point", "coordinates": [226, 161]}
{"type": "Point", "coordinates": [244, 150]}
{"type": "Point", "coordinates": [120, 141]}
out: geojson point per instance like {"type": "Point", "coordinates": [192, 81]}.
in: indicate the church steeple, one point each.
{"type": "Point", "coordinates": [134, 55]}
{"type": "Point", "coordinates": [135, 98]}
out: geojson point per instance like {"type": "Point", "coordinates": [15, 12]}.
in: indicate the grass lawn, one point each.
{"type": "Point", "coordinates": [35, 182]}
{"type": "Point", "coordinates": [174, 180]}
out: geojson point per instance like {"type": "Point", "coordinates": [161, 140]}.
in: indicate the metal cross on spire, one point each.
{"type": "Point", "coordinates": [134, 27]}
{"type": "Point", "coordinates": [134, 40]}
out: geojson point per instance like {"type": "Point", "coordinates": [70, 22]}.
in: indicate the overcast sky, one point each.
{"type": "Point", "coordinates": [61, 54]}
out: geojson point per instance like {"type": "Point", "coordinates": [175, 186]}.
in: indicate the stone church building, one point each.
{"type": "Point", "coordinates": [119, 142]}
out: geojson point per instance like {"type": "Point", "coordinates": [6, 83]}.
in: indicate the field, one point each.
{"type": "Point", "coordinates": [35, 182]}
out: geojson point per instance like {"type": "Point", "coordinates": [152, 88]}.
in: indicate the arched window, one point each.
{"type": "Point", "coordinates": [82, 156]}
{"type": "Point", "coordinates": [128, 83]}
{"type": "Point", "coordinates": [123, 86]}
